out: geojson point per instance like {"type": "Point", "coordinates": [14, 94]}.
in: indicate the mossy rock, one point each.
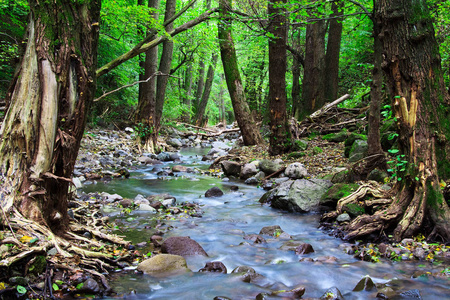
{"type": "Point", "coordinates": [294, 155]}
{"type": "Point", "coordinates": [38, 266]}
{"type": "Point", "coordinates": [389, 125]}
{"type": "Point", "coordinates": [354, 209]}
{"type": "Point", "coordinates": [353, 137]}
{"type": "Point", "coordinates": [300, 145]}
{"type": "Point", "coordinates": [340, 190]}
{"type": "Point", "coordinates": [316, 150]}
{"type": "Point", "coordinates": [341, 177]}
{"type": "Point", "coordinates": [336, 137]}
{"type": "Point", "coordinates": [377, 175]}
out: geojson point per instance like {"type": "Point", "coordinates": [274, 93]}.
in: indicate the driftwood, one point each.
{"type": "Point", "coordinates": [210, 132]}
{"type": "Point", "coordinates": [274, 173]}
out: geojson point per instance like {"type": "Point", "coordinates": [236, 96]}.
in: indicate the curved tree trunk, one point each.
{"type": "Point", "coordinates": [280, 137]}
{"type": "Point", "coordinates": [44, 125]}
{"type": "Point", "coordinates": [249, 130]}
{"type": "Point", "coordinates": [421, 103]}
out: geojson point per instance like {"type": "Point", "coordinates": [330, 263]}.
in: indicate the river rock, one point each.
{"type": "Point", "coordinates": [163, 264]}
{"type": "Point", "coordinates": [332, 294]}
{"type": "Point", "coordinates": [274, 231]}
{"type": "Point", "coordinates": [182, 245]}
{"type": "Point", "coordinates": [126, 203]}
{"type": "Point", "coordinates": [300, 195]}
{"type": "Point", "coordinates": [231, 168]}
{"type": "Point", "coordinates": [214, 266]}
{"type": "Point", "coordinates": [214, 192]}
{"type": "Point", "coordinates": [246, 274]}
{"type": "Point", "coordinates": [90, 286]}
{"type": "Point", "coordinates": [296, 171]}
{"type": "Point", "coordinates": [251, 181]}
{"type": "Point", "coordinates": [304, 248]}
{"type": "Point", "coordinates": [146, 208]}
{"type": "Point", "coordinates": [164, 156]}
{"type": "Point", "coordinates": [179, 168]}
{"type": "Point", "coordinates": [111, 198]}
{"type": "Point", "coordinates": [365, 284]}
{"type": "Point", "coordinates": [255, 238]}
{"type": "Point", "coordinates": [295, 293]}
{"type": "Point", "coordinates": [148, 160]}
{"type": "Point", "coordinates": [248, 171]}
{"type": "Point", "coordinates": [174, 142]}
{"type": "Point", "coordinates": [270, 166]}
{"type": "Point", "coordinates": [344, 217]}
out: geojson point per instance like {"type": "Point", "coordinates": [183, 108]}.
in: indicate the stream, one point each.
{"type": "Point", "coordinates": [220, 232]}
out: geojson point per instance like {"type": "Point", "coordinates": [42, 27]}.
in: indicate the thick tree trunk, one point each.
{"type": "Point", "coordinates": [207, 91]}
{"type": "Point", "coordinates": [147, 91]}
{"type": "Point", "coordinates": [421, 106]}
{"type": "Point", "coordinates": [249, 130]}
{"type": "Point", "coordinates": [164, 69]}
{"type": "Point", "coordinates": [373, 136]}
{"type": "Point", "coordinates": [297, 61]}
{"type": "Point", "coordinates": [44, 125]}
{"type": "Point", "coordinates": [252, 75]}
{"type": "Point", "coordinates": [280, 137]}
{"type": "Point", "coordinates": [313, 90]}
{"type": "Point", "coordinates": [333, 51]}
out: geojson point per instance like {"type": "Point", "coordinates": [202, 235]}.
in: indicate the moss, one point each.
{"type": "Point", "coordinates": [435, 197]}
{"type": "Point", "coordinates": [316, 150]}
{"type": "Point", "coordinates": [340, 190]}
{"type": "Point", "coordinates": [336, 137]}
{"type": "Point", "coordinates": [38, 266]}
{"type": "Point", "coordinates": [354, 209]}
{"type": "Point", "coordinates": [296, 155]}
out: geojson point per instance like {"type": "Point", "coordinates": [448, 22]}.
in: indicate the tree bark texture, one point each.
{"type": "Point", "coordinates": [421, 106]}
{"type": "Point", "coordinates": [313, 89]}
{"type": "Point", "coordinates": [249, 129]}
{"type": "Point", "coordinates": [333, 50]}
{"type": "Point", "coordinates": [207, 91]}
{"type": "Point", "coordinates": [187, 87]}
{"type": "Point", "coordinates": [147, 90]}
{"type": "Point", "coordinates": [280, 137]}
{"type": "Point", "coordinates": [253, 73]}
{"type": "Point", "coordinates": [373, 136]}
{"type": "Point", "coordinates": [44, 125]}
{"type": "Point", "coordinates": [164, 69]}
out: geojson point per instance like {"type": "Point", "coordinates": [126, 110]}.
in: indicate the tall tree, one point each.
{"type": "Point", "coordinates": [313, 90]}
{"type": "Point", "coordinates": [147, 90]}
{"type": "Point", "coordinates": [164, 70]}
{"type": "Point", "coordinates": [331, 75]}
{"type": "Point", "coordinates": [412, 65]}
{"type": "Point", "coordinates": [280, 137]}
{"type": "Point", "coordinates": [249, 129]}
{"type": "Point", "coordinates": [52, 93]}
{"type": "Point", "coordinates": [206, 92]}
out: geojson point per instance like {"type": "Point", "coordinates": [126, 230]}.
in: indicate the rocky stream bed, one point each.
{"type": "Point", "coordinates": [209, 220]}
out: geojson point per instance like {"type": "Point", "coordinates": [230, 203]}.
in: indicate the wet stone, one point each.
{"type": "Point", "coordinates": [304, 249]}
{"type": "Point", "coordinates": [213, 192]}
{"type": "Point", "coordinates": [256, 239]}
{"type": "Point", "coordinates": [214, 266]}
{"type": "Point", "coordinates": [90, 286]}
{"type": "Point", "coordinates": [332, 294]}
{"type": "Point", "coordinates": [365, 284]}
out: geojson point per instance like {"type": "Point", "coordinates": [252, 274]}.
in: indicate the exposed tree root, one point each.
{"type": "Point", "coordinates": [94, 256]}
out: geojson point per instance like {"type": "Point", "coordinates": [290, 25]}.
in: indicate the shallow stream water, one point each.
{"type": "Point", "coordinates": [220, 232]}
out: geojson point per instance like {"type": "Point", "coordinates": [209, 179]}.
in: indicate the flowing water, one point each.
{"type": "Point", "coordinates": [220, 232]}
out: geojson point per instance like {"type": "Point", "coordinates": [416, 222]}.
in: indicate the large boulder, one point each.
{"type": "Point", "coordinates": [163, 264]}
{"type": "Point", "coordinates": [248, 171]}
{"type": "Point", "coordinates": [174, 142]}
{"type": "Point", "coordinates": [231, 168]}
{"type": "Point", "coordinates": [296, 171]}
{"type": "Point", "coordinates": [358, 150]}
{"type": "Point", "coordinates": [270, 166]}
{"type": "Point", "coordinates": [299, 195]}
{"type": "Point", "coordinates": [182, 245]}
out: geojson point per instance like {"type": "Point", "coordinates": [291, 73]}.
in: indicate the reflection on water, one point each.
{"type": "Point", "coordinates": [220, 232]}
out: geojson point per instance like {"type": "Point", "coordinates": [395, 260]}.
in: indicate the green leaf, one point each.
{"type": "Point", "coordinates": [55, 287]}
{"type": "Point", "coordinates": [393, 151]}
{"type": "Point", "coordinates": [417, 178]}
{"type": "Point", "coordinates": [59, 282]}
{"type": "Point", "coordinates": [21, 290]}
{"type": "Point", "coordinates": [80, 286]}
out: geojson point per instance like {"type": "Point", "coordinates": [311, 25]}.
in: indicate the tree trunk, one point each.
{"type": "Point", "coordinates": [223, 116]}
{"type": "Point", "coordinates": [44, 125]}
{"type": "Point", "coordinates": [280, 137]}
{"type": "Point", "coordinates": [200, 84]}
{"type": "Point", "coordinates": [147, 91]}
{"type": "Point", "coordinates": [297, 61]}
{"type": "Point", "coordinates": [252, 75]}
{"type": "Point", "coordinates": [373, 136]}
{"type": "Point", "coordinates": [207, 91]}
{"type": "Point", "coordinates": [333, 50]}
{"type": "Point", "coordinates": [187, 86]}
{"type": "Point", "coordinates": [164, 69]}
{"type": "Point", "coordinates": [249, 130]}
{"type": "Point", "coordinates": [421, 106]}
{"type": "Point", "coordinates": [313, 90]}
